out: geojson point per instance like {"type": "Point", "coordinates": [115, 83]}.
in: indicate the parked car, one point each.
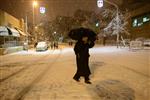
{"type": "Point", "coordinates": [41, 46]}
{"type": "Point", "coordinates": [146, 42]}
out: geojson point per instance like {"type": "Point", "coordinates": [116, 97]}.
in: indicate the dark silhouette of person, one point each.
{"type": "Point", "coordinates": [82, 59]}
{"type": "Point", "coordinates": [52, 45]}
{"type": "Point", "coordinates": [55, 45]}
{"type": "Point", "coordinates": [35, 44]}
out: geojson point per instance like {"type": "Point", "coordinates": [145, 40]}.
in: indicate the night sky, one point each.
{"type": "Point", "coordinates": [21, 8]}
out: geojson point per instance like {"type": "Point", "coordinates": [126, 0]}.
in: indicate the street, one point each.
{"type": "Point", "coordinates": [117, 74]}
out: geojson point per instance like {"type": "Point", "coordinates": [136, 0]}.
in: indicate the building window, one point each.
{"type": "Point", "coordinates": [140, 20]}
{"type": "Point", "coordinates": [135, 23]}
{"type": "Point", "coordinates": [146, 19]}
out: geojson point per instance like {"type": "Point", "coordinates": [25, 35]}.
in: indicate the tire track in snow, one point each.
{"type": "Point", "coordinates": [22, 69]}
{"type": "Point", "coordinates": [24, 91]}
{"type": "Point", "coordinates": [134, 71]}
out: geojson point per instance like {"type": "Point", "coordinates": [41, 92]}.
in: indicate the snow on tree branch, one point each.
{"type": "Point", "coordinates": [118, 24]}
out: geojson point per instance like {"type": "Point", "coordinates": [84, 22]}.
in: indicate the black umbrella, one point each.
{"type": "Point", "coordinates": [77, 34]}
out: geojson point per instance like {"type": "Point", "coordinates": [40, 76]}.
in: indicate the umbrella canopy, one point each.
{"type": "Point", "coordinates": [77, 34]}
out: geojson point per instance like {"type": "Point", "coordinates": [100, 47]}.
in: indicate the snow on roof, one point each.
{"type": "Point", "coordinates": [14, 32]}
{"type": "Point", "coordinates": [7, 31]}
{"type": "Point", "coordinates": [3, 31]}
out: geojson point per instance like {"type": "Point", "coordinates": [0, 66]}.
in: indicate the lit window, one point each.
{"type": "Point", "coordinates": [135, 23]}
{"type": "Point", "coordinates": [139, 24]}
{"type": "Point", "coordinates": [144, 19]}
{"type": "Point", "coordinates": [140, 20]}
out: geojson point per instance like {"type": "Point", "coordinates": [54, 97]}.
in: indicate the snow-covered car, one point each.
{"type": "Point", "coordinates": [146, 42]}
{"type": "Point", "coordinates": [41, 46]}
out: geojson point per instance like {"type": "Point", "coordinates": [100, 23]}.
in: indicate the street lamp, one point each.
{"type": "Point", "coordinates": [100, 4]}
{"type": "Point", "coordinates": [36, 27]}
{"type": "Point", "coordinates": [55, 32]}
{"type": "Point", "coordinates": [34, 5]}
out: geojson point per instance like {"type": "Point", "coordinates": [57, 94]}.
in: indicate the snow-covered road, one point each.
{"type": "Point", "coordinates": [117, 74]}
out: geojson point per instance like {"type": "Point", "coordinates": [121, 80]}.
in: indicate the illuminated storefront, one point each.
{"type": "Point", "coordinates": [12, 33]}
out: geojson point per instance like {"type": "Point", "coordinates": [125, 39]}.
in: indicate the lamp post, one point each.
{"type": "Point", "coordinates": [100, 4]}
{"type": "Point", "coordinates": [34, 5]}
{"type": "Point", "coordinates": [26, 28]}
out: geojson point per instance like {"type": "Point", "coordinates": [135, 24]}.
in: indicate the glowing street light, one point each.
{"type": "Point", "coordinates": [35, 3]}
{"type": "Point", "coordinates": [34, 6]}
{"type": "Point", "coordinates": [97, 24]}
{"type": "Point", "coordinates": [36, 27]}
{"type": "Point", "coordinates": [55, 32]}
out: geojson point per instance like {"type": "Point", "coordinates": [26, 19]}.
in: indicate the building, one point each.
{"type": "Point", "coordinates": [12, 33]}
{"type": "Point", "coordinates": [139, 22]}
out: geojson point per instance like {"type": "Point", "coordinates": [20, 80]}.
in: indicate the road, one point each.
{"type": "Point", "coordinates": [117, 74]}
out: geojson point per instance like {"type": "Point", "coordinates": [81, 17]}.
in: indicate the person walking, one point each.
{"type": "Point", "coordinates": [52, 45]}
{"type": "Point", "coordinates": [81, 50]}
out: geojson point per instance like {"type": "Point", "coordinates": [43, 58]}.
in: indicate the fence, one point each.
{"type": "Point", "coordinates": [136, 45]}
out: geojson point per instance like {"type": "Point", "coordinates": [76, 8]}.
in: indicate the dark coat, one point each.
{"type": "Point", "coordinates": [82, 58]}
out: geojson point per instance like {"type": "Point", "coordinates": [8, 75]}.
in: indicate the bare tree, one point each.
{"type": "Point", "coordinates": [118, 24]}
{"type": "Point", "coordinates": [122, 21]}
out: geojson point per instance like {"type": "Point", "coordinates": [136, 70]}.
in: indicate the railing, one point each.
{"type": "Point", "coordinates": [11, 44]}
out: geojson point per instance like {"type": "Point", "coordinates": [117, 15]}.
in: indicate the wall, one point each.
{"type": "Point", "coordinates": [2, 18]}
{"type": "Point", "coordinates": [8, 20]}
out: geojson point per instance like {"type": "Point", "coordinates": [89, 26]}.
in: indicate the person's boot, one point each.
{"type": "Point", "coordinates": [76, 79]}
{"type": "Point", "coordinates": [88, 82]}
